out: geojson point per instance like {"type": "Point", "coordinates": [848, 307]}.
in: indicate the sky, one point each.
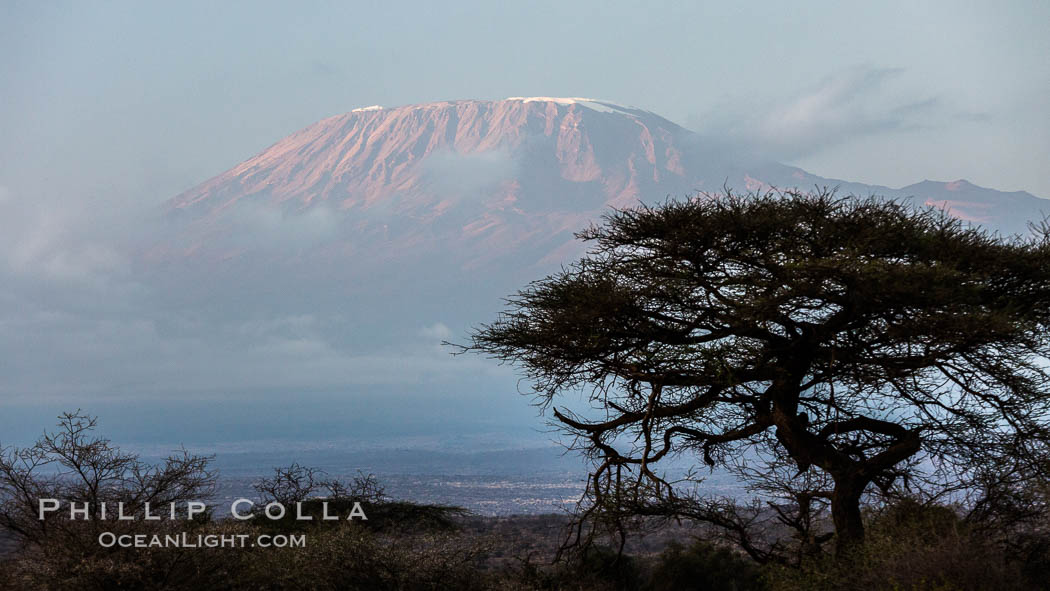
{"type": "Point", "coordinates": [107, 109]}
{"type": "Point", "coordinates": [143, 100]}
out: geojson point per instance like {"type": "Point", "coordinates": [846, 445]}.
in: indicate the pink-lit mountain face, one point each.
{"type": "Point", "coordinates": [479, 180]}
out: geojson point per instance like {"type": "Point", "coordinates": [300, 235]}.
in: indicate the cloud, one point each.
{"type": "Point", "coordinates": [264, 228]}
{"type": "Point", "coordinates": [843, 107]}
{"type": "Point", "coordinates": [437, 332]}
{"type": "Point", "coordinates": [468, 176]}
{"type": "Point", "coordinates": [83, 317]}
{"type": "Point", "coordinates": [46, 239]}
{"type": "Point", "coordinates": [139, 353]}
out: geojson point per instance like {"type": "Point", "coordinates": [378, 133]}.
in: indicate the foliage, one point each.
{"type": "Point", "coordinates": [73, 465]}
{"type": "Point", "coordinates": [858, 346]}
{"type": "Point", "coordinates": [403, 545]}
{"type": "Point", "coordinates": [913, 547]}
{"type": "Point", "coordinates": [704, 567]}
{"type": "Point", "coordinates": [313, 490]}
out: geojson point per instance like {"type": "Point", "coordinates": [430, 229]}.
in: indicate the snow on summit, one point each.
{"type": "Point", "coordinates": [551, 99]}
{"type": "Point", "coordinates": [490, 176]}
{"type": "Point", "coordinates": [594, 104]}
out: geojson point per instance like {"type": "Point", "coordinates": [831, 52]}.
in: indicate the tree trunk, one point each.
{"type": "Point", "coordinates": [845, 513]}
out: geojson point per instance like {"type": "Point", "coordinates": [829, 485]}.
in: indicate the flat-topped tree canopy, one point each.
{"type": "Point", "coordinates": [851, 337]}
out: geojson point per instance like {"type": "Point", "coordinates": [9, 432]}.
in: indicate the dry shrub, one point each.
{"type": "Point", "coordinates": [912, 547]}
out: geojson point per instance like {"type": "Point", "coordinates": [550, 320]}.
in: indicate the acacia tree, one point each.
{"type": "Point", "coordinates": [864, 341]}
{"type": "Point", "coordinates": [73, 465]}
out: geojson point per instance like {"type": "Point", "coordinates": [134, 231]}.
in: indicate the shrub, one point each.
{"type": "Point", "coordinates": [703, 567]}
{"type": "Point", "coordinates": [910, 547]}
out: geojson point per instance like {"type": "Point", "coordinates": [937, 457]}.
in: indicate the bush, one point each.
{"type": "Point", "coordinates": [704, 567]}
{"type": "Point", "coordinates": [306, 490]}
{"type": "Point", "coordinates": [352, 558]}
{"type": "Point", "coordinates": [911, 547]}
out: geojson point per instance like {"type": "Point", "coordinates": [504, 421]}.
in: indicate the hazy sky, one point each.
{"type": "Point", "coordinates": [107, 109]}
{"type": "Point", "coordinates": [140, 100]}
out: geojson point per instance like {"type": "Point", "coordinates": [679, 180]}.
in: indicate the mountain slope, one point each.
{"type": "Point", "coordinates": [483, 179]}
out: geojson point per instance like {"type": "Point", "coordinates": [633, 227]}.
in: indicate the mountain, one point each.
{"type": "Point", "coordinates": [1010, 212]}
{"type": "Point", "coordinates": [483, 180]}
